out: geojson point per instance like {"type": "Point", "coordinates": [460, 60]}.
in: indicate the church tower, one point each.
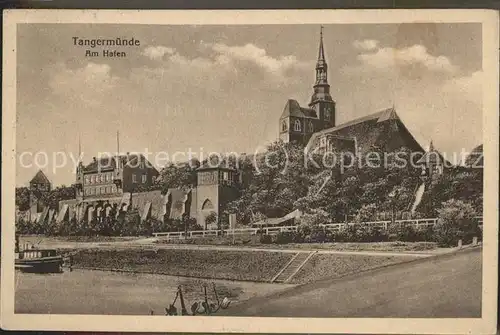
{"type": "Point", "coordinates": [321, 100]}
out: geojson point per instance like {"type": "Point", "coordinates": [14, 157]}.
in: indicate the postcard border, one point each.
{"type": "Point", "coordinates": [486, 324]}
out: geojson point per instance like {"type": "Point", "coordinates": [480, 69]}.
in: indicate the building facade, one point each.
{"type": "Point", "coordinates": [113, 176]}
{"type": "Point", "coordinates": [216, 187]}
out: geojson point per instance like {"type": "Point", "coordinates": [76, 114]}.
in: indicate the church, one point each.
{"type": "Point", "coordinates": [315, 126]}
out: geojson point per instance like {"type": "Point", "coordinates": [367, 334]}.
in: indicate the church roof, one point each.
{"type": "Point", "coordinates": [475, 158]}
{"type": "Point", "coordinates": [382, 129]}
{"type": "Point", "coordinates": [293, 108]}
{"type": "Point", "coordinates": [40, 178]}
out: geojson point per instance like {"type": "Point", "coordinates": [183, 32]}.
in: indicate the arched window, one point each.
{"type": "Point", "coordinates": [327, 114]}
{"type": "Point", "coordinates": [284, 126]}
{"type": "Point", "coordinates": [207, 205]}
{"type": "Point", "coordinates": [296, 125]}
{"type": "Point", "coordinates": [311, 126]}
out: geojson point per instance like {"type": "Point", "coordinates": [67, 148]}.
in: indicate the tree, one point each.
{"type": "Point", "coordinates": [211, 219]}
{"type": "Point", "coordinates": [22, 198]}
{"type": "Point", "coordinates": [277, 178]}
{"type": "Point", "coordinates": [456, 220]}
{"type": "Point", "coordinates": [366, 213]}
{"type": "Point", "coordinates": [52, 198]}
{"type": "Point", "coordinates": [178, 176]}
{"type": "Point", "coordinates": [459, 183]}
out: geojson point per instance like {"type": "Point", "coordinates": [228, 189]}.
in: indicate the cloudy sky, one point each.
{"type": "Point", "coordinates": [223, 88]}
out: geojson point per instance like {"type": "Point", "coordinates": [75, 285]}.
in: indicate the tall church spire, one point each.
{"type": "Point", "coordinates": [321, 54]}
{"type": "Point", "coordinates": [321, 66]}
{"type": "Point", "coordinates": [321, 86]}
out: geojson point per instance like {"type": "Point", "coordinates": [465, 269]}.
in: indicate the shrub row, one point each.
{"type": "Point", "coordinates": [443, 237]}
{"type": "Point", "coordinates": [126, 224]}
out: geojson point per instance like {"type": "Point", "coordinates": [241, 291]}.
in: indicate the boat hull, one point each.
{"type": "Point", "coordinates": [40, 265]}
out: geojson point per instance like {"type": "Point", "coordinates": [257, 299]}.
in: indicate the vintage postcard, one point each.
{"type": "Point", "coordinates": [313, 171]}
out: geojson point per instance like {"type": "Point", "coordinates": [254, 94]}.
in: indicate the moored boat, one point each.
{"type": "Point", "coordinates": [37, 260]}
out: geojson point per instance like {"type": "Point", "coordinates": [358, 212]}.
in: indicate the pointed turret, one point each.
{"type": "Point", "coordinates": [321, 100]}
{"type": "Point", "coordinates": [321, 66]}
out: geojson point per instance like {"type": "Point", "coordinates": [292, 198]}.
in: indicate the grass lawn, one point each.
{"type": "Point", "coordinates": [233, 265]}
{"type": "Point", "coordinates": [324, 266]}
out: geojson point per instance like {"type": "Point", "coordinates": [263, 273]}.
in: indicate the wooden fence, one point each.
{"type": "Point", "coordinates": [334, 227]}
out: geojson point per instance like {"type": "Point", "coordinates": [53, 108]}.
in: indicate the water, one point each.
{"type": "Point", "coordinates": [109, 293]}
{"type": "Point", "coordinates": [418, 197]}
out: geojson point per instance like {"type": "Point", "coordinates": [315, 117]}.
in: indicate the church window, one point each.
{"type": "Point", "coordinates": [207, 204]}
{"type": "Point", "coordinates": [327, 114]}
{"type": "Point", "coordinates": [144, 178]}
{"type": "Point", "coordinates": [311, 126]}
{"type": "Point", "coordinates": [284, 126]}
{"type": "Point", "coordinates": [134, 178]}
{"type": "Point", "coordinates": [296, 126]}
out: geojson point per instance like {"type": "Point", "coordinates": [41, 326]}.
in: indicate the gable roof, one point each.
{"type": "Point", "coordinates": [382, 129]}
{"type": "Point", "coordinates": [293, 108]}
{"type": "Point", "coordinates": [109, 163]}
{"type": "Point", "coordinates": [40, 178]}
{"type": "Point", "coordinates": [475, 158]}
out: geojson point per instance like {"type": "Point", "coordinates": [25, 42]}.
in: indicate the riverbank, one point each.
{"type": "Point", "coordinates": [241, 265]}
{"type": "Point", "coordinates": [258, 266]}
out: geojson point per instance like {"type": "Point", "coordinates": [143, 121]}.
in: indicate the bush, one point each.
{"type": "Point", "coordinates": [320, 235]}
{"type": "Point", "coordinates": [407, 234]}
{"type": "Point", "coordinates": [266, 239]}
{"type": "Point", "coordinates": [456, 220]}
{"type": "Point", "coordinates": [345, 235]}
{"type": "Point", "coordinates": [366, 213]}
{"type": "Point", "coordinates": [285, 237]}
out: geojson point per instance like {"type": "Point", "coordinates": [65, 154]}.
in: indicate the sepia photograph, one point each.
{"type": "Point", "coordinates": [284, 171]}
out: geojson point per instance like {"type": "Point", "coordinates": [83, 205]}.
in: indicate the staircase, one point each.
{"type": "Point", "coordinates": [295, 264]}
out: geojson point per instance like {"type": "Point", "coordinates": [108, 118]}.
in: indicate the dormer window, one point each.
{"type": "Point", "coordinates": [297, 126]}
{"type": "Point", "coordinates": [284, 126]}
